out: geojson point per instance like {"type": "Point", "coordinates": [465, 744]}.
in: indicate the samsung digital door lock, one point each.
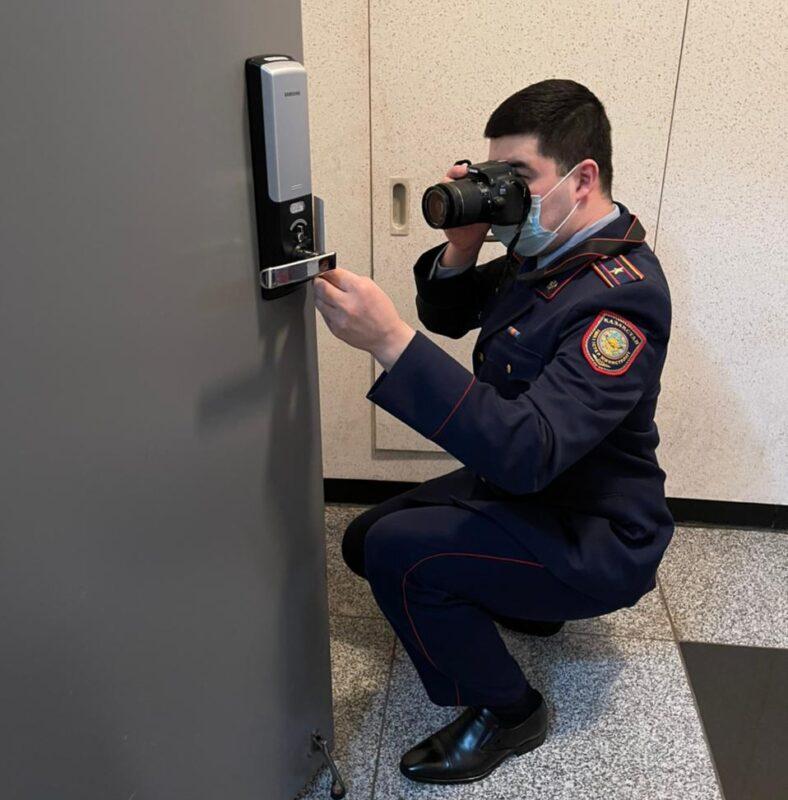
{"type": "Point", "coordinates": [290, 222]}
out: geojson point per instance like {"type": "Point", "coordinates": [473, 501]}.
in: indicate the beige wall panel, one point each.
{"type": "Point", "coordinates": [721, 236]}
{"type": "Point", "coordinates": [336, 56]}
{"type": "Point", "coordinates": [438, 71]}
{"type": "Point", "coordinates": [722, 240]}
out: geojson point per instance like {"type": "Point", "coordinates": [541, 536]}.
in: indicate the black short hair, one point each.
{"type": "Point", "coordinates": [568, 120]}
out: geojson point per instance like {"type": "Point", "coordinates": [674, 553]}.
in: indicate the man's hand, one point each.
{"type": "Point", "coordinates": [360, 313]}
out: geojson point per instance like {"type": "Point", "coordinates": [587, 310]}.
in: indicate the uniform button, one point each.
{"type": "Point", "coordinates": [479, 315]}
{"type": "Point", "coordinates": [481, 356]}
{"type": "Point", "coordinates": [508, 367]}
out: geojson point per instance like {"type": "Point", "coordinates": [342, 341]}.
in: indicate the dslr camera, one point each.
{"type": "Point", "coordinates": [490, 192]}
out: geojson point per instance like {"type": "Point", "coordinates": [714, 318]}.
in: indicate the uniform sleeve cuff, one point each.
{"type": "Point", "coordinates": [424, 387]}
{"type": "Point", "coordinates": [434, 271]}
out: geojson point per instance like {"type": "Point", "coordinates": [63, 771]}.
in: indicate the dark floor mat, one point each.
{"type": "Point", "coordinates": [741, 694]}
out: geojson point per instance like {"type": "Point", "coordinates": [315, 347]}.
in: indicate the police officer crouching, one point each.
{"type": "Point", "coordinates": [558, 511]}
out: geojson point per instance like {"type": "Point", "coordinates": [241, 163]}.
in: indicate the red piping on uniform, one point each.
{"type": "Point", "coordinates": [456, 406]}
{"type": "Point", "coordinates": [438, 555]}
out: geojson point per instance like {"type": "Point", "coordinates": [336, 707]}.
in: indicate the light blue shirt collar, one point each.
{"type": "Point", "coordinates": [576, 238]}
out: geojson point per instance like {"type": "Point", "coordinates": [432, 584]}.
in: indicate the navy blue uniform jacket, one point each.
{"type": "Point", "coordinates": [554, 426]}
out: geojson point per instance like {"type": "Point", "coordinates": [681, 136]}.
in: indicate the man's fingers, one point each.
{"type": "Point", "coordinates": [342, 278]}
{"type": "Point", "coordinates": [455, 172]}
{"type": "Point", "coordinates": [329, 293]}
{"type": "Point", "coordinates": [327, 311]}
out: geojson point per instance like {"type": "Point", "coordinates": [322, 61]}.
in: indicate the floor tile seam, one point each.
{"type": "Point", "coordinates": [749, 645]}
{"type": "Point", "coordinates": [379, 617]}
{"type": "Point", "coordinates": [608, 635]}
{"type": "Point", "coordinates": [383, 719]}
{"type": "Point", "coordinates": [597, 635]}
{"type": "Point", "coordinates": [664, 598]}
{"type": "Point", "coordinates": [679, 637]}
{"type": "Point", "coordinates": [627, 636]}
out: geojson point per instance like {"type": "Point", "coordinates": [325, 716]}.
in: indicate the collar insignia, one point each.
{"type": "Point", "coordinates": [554, 285]}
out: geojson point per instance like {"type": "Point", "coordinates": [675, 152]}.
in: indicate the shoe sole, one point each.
{"type": "Point", "coordinates": [526, 747]}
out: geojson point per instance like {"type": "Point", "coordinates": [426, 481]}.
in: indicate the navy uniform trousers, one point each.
{"type": "Point", "coordinates": [439, 574]}
{"type": "Point", "coordinates": [559, 510]}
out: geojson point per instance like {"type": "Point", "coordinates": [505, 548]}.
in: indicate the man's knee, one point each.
{"type": "Point", "coordinates": [353, 543]}
{"type": "Point", "coordinates": [376, 542]}
{"type": "Point", "coordinates": [391, 545]}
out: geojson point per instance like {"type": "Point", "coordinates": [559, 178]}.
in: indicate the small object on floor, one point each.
{"type": "Point", "coordinates": [473, 745]}
{"type": "Point", "coordinates": [532, 627]}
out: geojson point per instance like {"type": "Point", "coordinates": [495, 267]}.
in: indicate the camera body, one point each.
{"type": "Point", "coordinates": [490, 192]}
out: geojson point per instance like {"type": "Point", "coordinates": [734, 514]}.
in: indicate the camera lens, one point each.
{"type": "Point", "coordinates": [492, 192]}
{"type": "Point", "coordinates": [435, 206]}
{"type": "Point", "coordinates": [450, 205]}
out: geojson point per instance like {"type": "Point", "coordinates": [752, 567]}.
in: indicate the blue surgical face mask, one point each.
{"type": "Point", "coordinates": [533, 237]}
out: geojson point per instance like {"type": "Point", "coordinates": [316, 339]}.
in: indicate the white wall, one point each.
{"type": "Point", "coordinates": [696, 99]}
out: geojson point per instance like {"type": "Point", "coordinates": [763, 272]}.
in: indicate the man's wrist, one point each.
{"type": "Point", "coordinates": [453, 257]}
{"type": "Point", "coordinates": [394, 345]}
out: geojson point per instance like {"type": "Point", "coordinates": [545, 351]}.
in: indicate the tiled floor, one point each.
{"type": "Point", "coordinates": [624, 695]}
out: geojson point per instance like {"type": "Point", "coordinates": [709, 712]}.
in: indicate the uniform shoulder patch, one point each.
{"type": "Point", "coordinates": [611, 343]}
{"type": "Point", "coordinates": [617, 271]}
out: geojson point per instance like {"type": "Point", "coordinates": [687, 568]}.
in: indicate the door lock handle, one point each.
{"type": "Point", "coordinates": [297, 271]}
{"type": "Point", "coordinates": [312, 263]}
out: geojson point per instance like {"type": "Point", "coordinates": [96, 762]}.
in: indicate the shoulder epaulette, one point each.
{"type": "Point", "coordinates": [617, 270]}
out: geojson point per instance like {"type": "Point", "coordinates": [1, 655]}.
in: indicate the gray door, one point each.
{"type": "Point", "coordinates": [163, 612]}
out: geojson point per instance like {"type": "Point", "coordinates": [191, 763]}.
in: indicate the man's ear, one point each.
{"type": "Point", "coordinates": [586, 177]}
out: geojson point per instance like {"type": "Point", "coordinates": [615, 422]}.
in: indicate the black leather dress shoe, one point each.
{"type": "Point", "coordinates": [530, 626]}
{"type": "Point", "coordinates": [472, 746]}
